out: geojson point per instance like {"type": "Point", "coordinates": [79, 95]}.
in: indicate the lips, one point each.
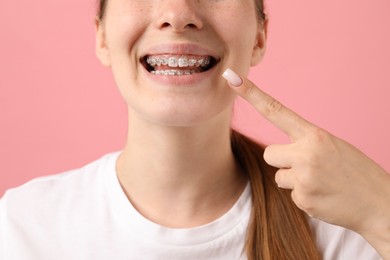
{"type": "Point", "coordinates": [176, 64]}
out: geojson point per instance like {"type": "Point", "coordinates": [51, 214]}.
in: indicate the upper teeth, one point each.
{"type": "Point", "coordinates": [174, 61]}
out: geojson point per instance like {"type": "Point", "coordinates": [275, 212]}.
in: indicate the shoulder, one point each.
{"type": "Point", "coordinates": [338, 243]}
{"type": "Point", "coordinates": [55, 188]}
{"type": "Point", "coordinates": [54, 210]}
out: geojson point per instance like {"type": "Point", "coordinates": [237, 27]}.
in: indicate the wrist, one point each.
{"type": "Point", "coordinates": [379, 238]}
{"type": "Point", "coordinates": [375, 227]}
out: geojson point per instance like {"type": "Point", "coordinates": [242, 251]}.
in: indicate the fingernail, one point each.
{"type": "Point", "coordinates": [232, 78]}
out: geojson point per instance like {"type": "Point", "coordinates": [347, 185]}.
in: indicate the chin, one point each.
{"type": "Point", "coordinates": [187, 116]}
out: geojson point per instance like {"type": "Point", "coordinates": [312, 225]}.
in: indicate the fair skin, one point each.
{"type": "Point", "coordinates": [177, 167]}
{"type": "Point", "coordinates": [329, 178]}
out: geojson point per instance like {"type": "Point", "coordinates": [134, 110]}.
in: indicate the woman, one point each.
{"type": "Point", "coordinates": [185, 185]}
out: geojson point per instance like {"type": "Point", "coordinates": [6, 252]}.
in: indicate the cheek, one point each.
{"type": "Point", "coordinates": [122, 40]}
{"type": "Point", "coordinates": [125, 22]}
{"type": "Point", "coordinates": [239, 36]}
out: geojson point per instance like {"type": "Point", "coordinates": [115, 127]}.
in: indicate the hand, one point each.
{"type": "Point", "coordinates": [329, 178]}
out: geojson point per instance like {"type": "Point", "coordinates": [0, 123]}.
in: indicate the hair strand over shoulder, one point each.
{"type": "Point", "coordinates": [278, 229]}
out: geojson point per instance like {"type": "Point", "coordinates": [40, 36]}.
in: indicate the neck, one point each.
{"type": "Point", "coordinates": [180, 176]}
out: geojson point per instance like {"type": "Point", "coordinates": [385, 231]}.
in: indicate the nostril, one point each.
{"type": "Point", "coordinates": [190, 25]}
{"type": "Point", "coordinates": [164, 25]}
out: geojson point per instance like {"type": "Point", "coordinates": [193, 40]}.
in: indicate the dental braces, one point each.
{"type": "Point", "coordinates": [178, 61]}
{"type": "Point", "coordinates": [173, 72]}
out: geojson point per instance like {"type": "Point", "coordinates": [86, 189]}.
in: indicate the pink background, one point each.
{"type": "Point", "coordinates": [59, 108]}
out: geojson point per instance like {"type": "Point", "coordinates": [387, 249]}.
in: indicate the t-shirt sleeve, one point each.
{"type": "Point", "coordinates": [338, 243]}
{"type": "Point", "coordinates": [2, 228]}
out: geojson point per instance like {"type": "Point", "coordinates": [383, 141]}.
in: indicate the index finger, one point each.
{"type": "Point", "coordinates": [282, 117]}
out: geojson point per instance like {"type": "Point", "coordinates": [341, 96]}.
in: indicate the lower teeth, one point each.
{"type": "Point", "coordinates": [173, 72]}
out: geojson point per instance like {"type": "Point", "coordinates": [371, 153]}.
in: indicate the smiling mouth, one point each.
{"type": "Point", "coordinates": [177, 65]}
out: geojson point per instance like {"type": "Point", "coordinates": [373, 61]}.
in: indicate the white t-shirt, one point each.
{"type": "Point", "coordinates": [84, 214]}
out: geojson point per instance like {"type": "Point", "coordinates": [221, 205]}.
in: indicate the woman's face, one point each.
{"type": "Point", "coordinates": [167, 56]}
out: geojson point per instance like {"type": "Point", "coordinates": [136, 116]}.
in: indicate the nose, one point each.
{"type": "Point", "coordinates": [179, 15]}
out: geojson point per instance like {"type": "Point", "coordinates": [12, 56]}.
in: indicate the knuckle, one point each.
{"type": "Point", "coordinates": [307, 179]}
{"type": "Point", "coordinates": [267, 154]}
{"type": "Point", "coordinates": [296, 198]}
{"type": "Point", "coordinates": [321, 144]}
{"type": "Point", "coordinates": [307, 157]}
{"type": "Point", "coordinates": [278, 177]}
{"type": "Point", "coordinates": [249, 90]}
{"type": "Point", "coordinates": [273, 107]}
{"type": "Point", "coordinates": [302, 201]}
{"type": "Point", "coordinates": [312, 161]}
{"type": "Point", "coordinates": [319, 136]}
